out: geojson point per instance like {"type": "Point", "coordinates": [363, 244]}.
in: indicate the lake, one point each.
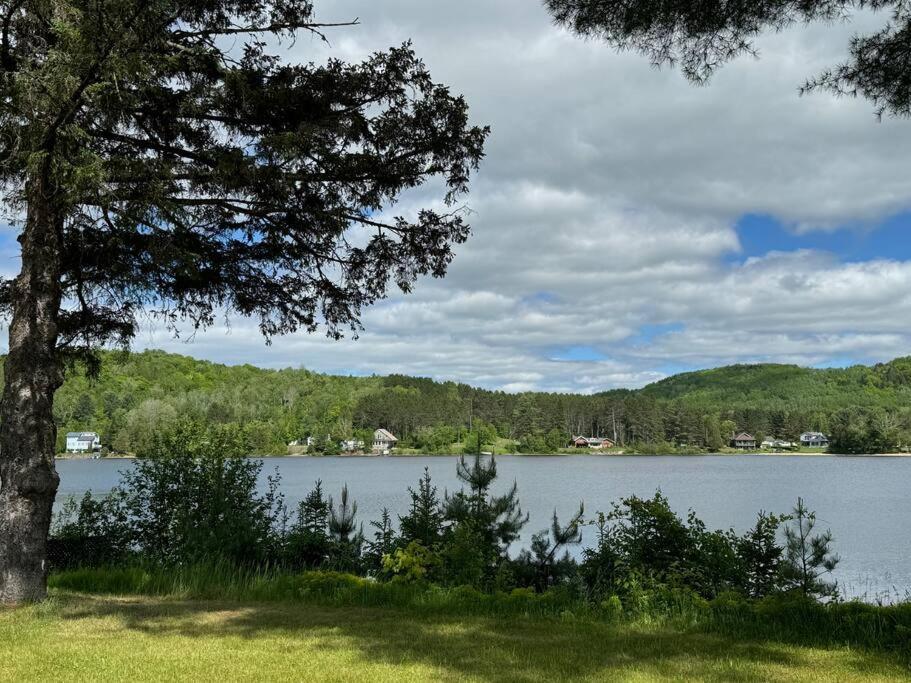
{"type": "Point", "coordinates": [865, 501]}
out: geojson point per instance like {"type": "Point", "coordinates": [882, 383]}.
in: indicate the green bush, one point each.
{"type": "Point", "coordinates": [612, 608]}
{"type": "Point", "coordinates": [411, 564]}
{"type": "Point", "coordinates": [194, 498]}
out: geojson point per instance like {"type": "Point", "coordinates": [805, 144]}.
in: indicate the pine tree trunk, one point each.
{"type": "Point", "coordinates": [32, 373]}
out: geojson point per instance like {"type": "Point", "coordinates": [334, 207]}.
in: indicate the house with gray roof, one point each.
{"type": "Point", "coordinates": [814, 440]}
{"type": "Point", "coordinates": [383, 441]}
{"type": "Point", "coordinates": [82, 442]}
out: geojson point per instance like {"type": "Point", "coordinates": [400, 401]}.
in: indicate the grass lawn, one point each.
{"type": "Point", "coordinates": [78, 637]}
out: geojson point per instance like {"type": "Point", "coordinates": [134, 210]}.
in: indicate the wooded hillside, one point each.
{"type": "Point", "coordinates": [136, 395]}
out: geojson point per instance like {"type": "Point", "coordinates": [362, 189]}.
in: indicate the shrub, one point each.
{"type": "Point", "coordinates": [612, 608]}
{"type": "Point", "coordinates": [414, 563]}
{"type": "Point", "coordinates": [88, 532]}
{"type": "Point", "coordinates": [196, 499]}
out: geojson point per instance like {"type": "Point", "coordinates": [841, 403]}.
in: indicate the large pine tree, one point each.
{"type": "Point", "coordinates": [165, 159]}
{"type": "Point", "coordinates": [701, 36]}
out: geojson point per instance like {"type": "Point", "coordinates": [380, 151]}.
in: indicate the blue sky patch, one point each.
{"type": "Point", "coordinates": [891, 239]}
{"type": "Point", "coordinates": [578, 353]}
{"type": "Point", "coordinates": [541, 298]}
{"type": "Point", "coordinates": [648, 333]}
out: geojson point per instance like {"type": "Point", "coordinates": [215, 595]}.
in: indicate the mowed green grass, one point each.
{"type": "Point", "coordinates": [78, 638]}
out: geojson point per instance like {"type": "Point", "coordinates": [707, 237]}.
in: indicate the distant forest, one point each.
{"type": "Point", "coordinates": [139, 395]}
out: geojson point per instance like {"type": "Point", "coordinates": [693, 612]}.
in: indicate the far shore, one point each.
{"type": "Point", "coordinates": [814, 454]}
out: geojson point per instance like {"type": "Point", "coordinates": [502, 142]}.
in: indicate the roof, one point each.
{"type": "Point", "coordinates": [82, 436]}
{"type": "Point", "coordinates": [384, 435]}
{"type": "Point", "coordinates": [590, 439]}
{"type": "Point", "coordinates": [807, 436]}
{"type": "Point", "coordinates": [743, 436]}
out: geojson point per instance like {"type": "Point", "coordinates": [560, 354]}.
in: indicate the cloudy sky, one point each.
{"type": "Point", "coordinates": [626, 224]}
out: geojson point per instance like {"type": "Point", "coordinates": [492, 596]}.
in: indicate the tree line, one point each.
{"type": "Point", "coordinates": [136, 396]}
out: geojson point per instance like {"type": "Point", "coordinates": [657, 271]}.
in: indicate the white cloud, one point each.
{"type": "Point", "coordinates": [787, 307]}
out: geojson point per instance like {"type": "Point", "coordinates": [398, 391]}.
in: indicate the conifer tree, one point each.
{"type": "Point", "coordinates": [808, 558]}
{"type": "Point", "coordinates": [383, 542]}
{"type": "Point", "coordinates": [761, 555]}
{"type": "Point", "coordinates": [545, 546]}
{"type": "Point", "coordinates": [308, 543]}
{"type": "Point", "coordinates": [343, 519]}
{"type": "Point", "coordinates": [347, 538]}
{"type": "Point", "coordinates": [313, 511]}
{"type": "Point", "coordinates": [424, 521]}
{"type": "Point", "coordinates": [168, 161]}
{"type": "Point", "coordinates": [701, 36]}
{"type": "Point", "coordinates": [493, 522]}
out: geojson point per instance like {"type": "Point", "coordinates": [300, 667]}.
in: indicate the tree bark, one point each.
{"type": "Point", "coordinates": [28, 434]}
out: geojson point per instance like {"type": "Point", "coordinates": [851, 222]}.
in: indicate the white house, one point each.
{"type": "Point", "coordinates": [776, 443]}
{"type": "Point", "coordinates": [813, 440]}
{"type": "Point", "coordinates": [351, 445]}
{"type": "Point", "coordinates": [308, 441]}
{"type": "Point", "coordinates": [383, 441]}
{"type": "Point", "coordinates": [82, 442]}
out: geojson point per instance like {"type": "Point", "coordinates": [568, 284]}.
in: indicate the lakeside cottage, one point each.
{"type": "Point", "coordinates": [591, 442]}
{"type": "Point", "coordinates": [383, 441]}
{"type": "Point", "coordinates": [776, 444]}
{"type": "Point", "coordinates": [814, 440]}
{"type": "Point", "coordinates": [743, 440]}
{"type": "Point", "coordinates": [351, 445]}
{"type": "Point", "coordinates": [82, 442]}
{"type": "Point", "coordinates": [309, 441]}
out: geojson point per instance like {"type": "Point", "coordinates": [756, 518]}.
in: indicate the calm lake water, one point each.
{"type": "Point", "coordinates": [864, 500]}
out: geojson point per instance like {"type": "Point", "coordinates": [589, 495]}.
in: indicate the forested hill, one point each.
{"type": "Point", "coordinates": [759, 386]}
{"type": "Point", "coordinates": [140, 394]}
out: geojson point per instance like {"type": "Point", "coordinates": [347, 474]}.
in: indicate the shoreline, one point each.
{"type": "Point", "coordinates": [755, 454]}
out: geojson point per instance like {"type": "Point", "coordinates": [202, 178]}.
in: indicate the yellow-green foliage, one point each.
{"type": "Point", "coordinates": [411, 563]}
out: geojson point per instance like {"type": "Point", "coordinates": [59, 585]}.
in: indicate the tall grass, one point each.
{"type": "Point", "coordinates": [784, 618]}
{"type": "Point", "coordinates": [326, 588]}
{"type": "Point", "coordinates": [792, 618]}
